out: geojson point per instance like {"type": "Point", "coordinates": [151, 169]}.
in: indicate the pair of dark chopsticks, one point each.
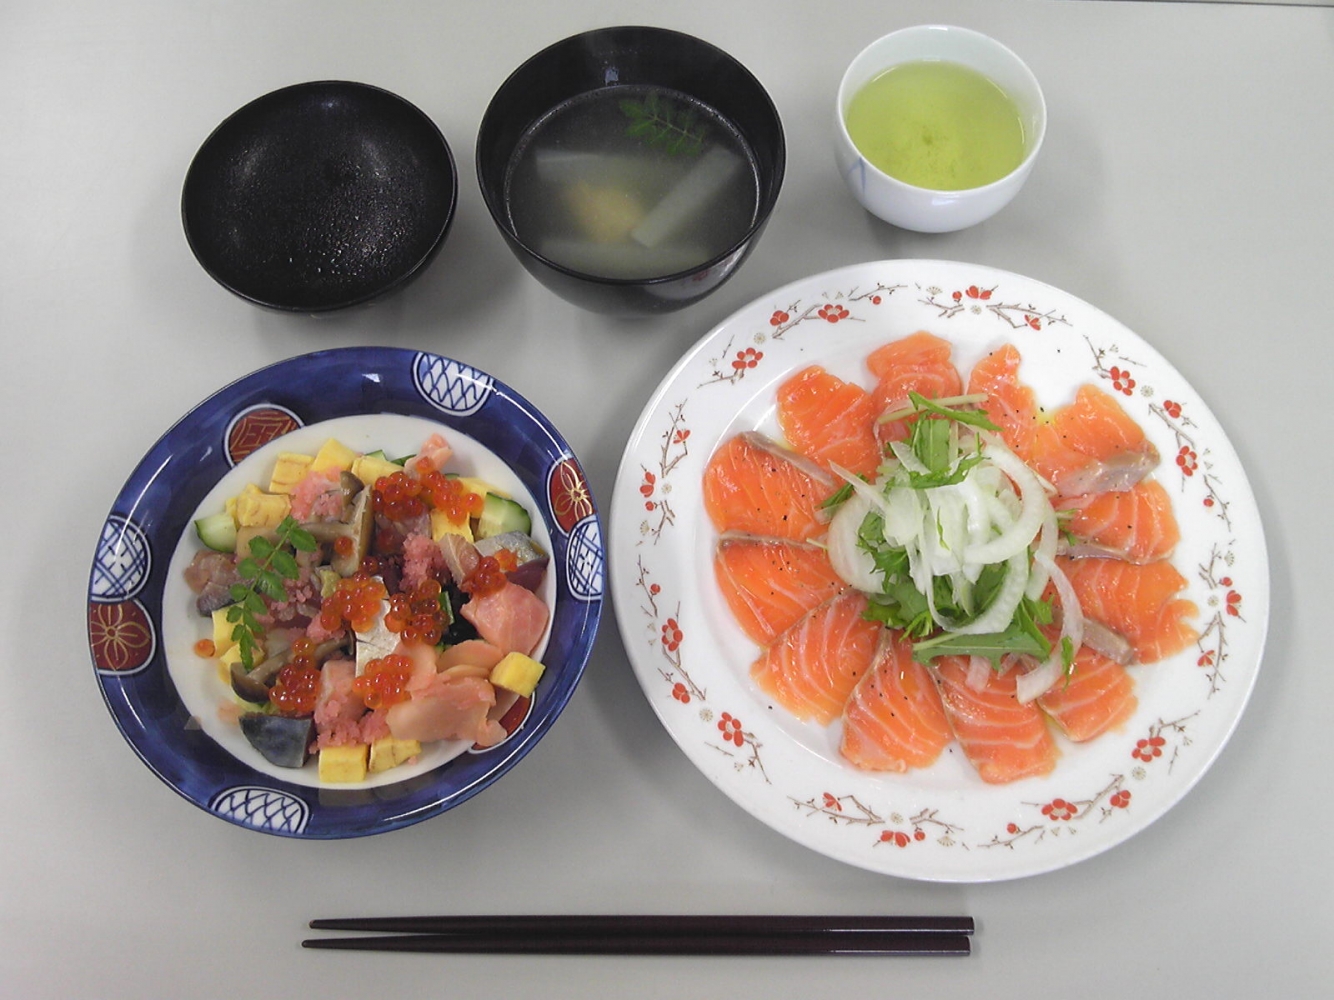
{"type": "Point", "coordinates": [652, 935]}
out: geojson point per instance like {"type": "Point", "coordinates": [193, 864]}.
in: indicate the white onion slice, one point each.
{"type": "Point", "coordinates": [979, 672]}
{"type": "Point", "coordinates": [1034, 683]}
{"type": "Point", "coordinates": [850, 561]}
{"type": "Point", "coordinates": [1044, 552]}
{"type": "Point", "coordinates": [998, 616]}
{"type": "Point", "coordinates": [907, 457]}
{"type": "Point", "coordinates": [1033, 498]}
{"type": "Point", "coordinates": [1040, 679]}
{"type": "Point", "coordinates": [902, 511]}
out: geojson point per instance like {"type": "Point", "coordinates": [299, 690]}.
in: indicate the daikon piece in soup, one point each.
{"type": "Point", "coordinates": [632, 182]}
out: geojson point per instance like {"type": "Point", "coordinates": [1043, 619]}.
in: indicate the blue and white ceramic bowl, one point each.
{"type": "Point", "coordinates": [142, 627]}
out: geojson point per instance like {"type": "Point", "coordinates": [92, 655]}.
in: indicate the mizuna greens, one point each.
{"type": "Point", "coordinates": [954, 542]}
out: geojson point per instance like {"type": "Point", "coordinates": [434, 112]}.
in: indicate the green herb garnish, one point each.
{"type": "Point", "coordinates": [660, 122]}
{"type": "Point", "coordinates": [266, 572]}
{"type": "Point", "coordinates": [943, 449]}
{"type": "Point", "coordinates": [836, 498]}
{"type": "Point", "coordinates": [1022, 637]}
{"type": "Point", "coordinates": [972, 418]}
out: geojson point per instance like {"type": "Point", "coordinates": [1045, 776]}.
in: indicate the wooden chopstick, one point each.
{"type": "Point", "coordinates": [653, 935]}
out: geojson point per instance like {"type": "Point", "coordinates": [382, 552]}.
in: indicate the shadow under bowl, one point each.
{"type": "Point", "coordinates": [320, 196]}
{"type": "Point", "coordinates": [618, 57]}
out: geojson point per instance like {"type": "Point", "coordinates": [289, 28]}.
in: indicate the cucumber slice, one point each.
{"type": "Point", "coordinates": [501, 514]}
{"type": "Point", "coordinates": [380, 453]}
{"type": "Point", "coordinates": [217, 531]}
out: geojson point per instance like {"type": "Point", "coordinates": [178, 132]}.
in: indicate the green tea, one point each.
{"type": "Point", "coordinates": [937, 125]}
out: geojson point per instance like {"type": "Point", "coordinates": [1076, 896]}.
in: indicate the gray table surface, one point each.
{"type": "Point", "coordinates": [1184, 189]}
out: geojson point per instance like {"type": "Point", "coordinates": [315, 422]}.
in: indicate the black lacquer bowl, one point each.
{"type": "Point", "coordinates": [620, 56]}
{"type": "Point", "coordinates": [320, 196]}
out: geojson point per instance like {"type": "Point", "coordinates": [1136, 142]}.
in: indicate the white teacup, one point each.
{"type": "Point", "coordinates": [922, 209]}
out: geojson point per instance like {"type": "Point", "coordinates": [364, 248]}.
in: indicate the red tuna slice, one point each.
{"type": "Point", "coordinates": [1137, 601]}
{"type": "Point", "coordinates": [1137, 524]}
{"type": "Point", "coordinates": [829, 421]}
{"type": "Point", "coordinates": [894, 720]}
{"type": "Point", "coordinates": [513, 619]}
{"type": "Point", "coordinates": [771, 583]}
{"type": "Point", "coordinates": [811, 669]}
{"type": "Point", "coordinates": [454, 709]}
{"type": "Point", "coordinates": [1092, 446]}
{"type": "Point", "coordinates": [920, 363]}
{"type": "Point", "coordinates": [754, 486]}
{"type": "Point", "coordinates": [1003, 739]}
{"type": "Point", "coordinates": [1098, 695]}
{"type": "Point", "coordinates": [1010, 404]}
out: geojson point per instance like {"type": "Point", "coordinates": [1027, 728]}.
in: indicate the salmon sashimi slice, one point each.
{"type": "Point", "coordinates": [1135, 524]}
{"type": "Point", "coordinates": [829, 420]}
{"type": "Point", "coordinates": [811, 669]}
{"type": "Point", "coordinates": [1098, 695]}
{"type": "Point", "coordinates": [1010, 404]}
{"type": "Point", "coordinates": [1138, 601]}
{"type": "Point", "coordinates": [513, 618]}
{"type": "Point", "coordinates": [893, 719]}
{"type": "Point", "coordinates": [753, 485]}
{"type": "Point", "coordinates": [770, 584]}
{"type": "Point", "coordinates": [1004, 740]}
{"type": "Point", "coordinates": [921, 363]}
{"type": "Point", "coordinates": [1092, 445]}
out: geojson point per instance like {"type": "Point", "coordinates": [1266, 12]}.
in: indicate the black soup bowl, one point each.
{"type": "Point", "coordinates": [639, 60]}
{"type": "Point", "coordinates": [320, 196]}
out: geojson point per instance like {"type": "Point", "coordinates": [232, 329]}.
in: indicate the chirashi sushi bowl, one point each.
{"type": "Point", "coordinates": [405, 505]}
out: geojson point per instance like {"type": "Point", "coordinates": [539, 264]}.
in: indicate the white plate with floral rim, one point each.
{"type": "Point", "coordinates": [940, 823]}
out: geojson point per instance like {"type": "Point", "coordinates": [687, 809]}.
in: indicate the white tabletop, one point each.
{"type": "Point", "coordinates": [1184, 189]}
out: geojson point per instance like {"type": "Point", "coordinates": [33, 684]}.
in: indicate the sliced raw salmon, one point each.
{"type": "Point", "coordinates": [811, 669]}
{"type": "Point", "coordinates": [1010, 403]}
{"type": "Point", "coordinates": [513, 618]}
{"type": "Point", "coordinates": [1097, 696]}
{"type": "Point", "coordinates": [829, 420]}
{"type": "Point", "coordinates": [1139, 601]}
{"type": "Point", "coordinates": [753, 485]}
{"type": "Point", "coordinates": [771, 583]}
{"type": "Point", "coordinates": [1135, 524]}
{"type": "Point", "coordinates": [921, 363]}
{"type": "Point", "coordinates": [894, 719]}
{"type": "Point", "coordinates": [1092, 445]}
{"type": "Point", "coordinates": [1001, 738]}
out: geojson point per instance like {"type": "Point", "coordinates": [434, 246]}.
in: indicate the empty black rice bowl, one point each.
{"type": "Point", "coordinates": [320, 196]}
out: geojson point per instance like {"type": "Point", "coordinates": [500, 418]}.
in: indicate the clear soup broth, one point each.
{"type": "Point", "coordinates": [632, 182]}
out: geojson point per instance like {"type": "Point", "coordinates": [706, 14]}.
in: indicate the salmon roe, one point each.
{"type": "Point", "coordinates": [487, 578]}
{"type": "Point", "coordinates": [418, 616]}
{"type": "Point", "coordinates": [297, 688]}
{"type": "Point", "coordinates": [205, 648]}
{"type": "Point", "coordinates": [451, 497]}
{"type": "Point", "coordinates": [400, 496]}
{"type": "Point", "coordinates": [355, 602]}
{"type": "Point", "coordinates": [384, 682]}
